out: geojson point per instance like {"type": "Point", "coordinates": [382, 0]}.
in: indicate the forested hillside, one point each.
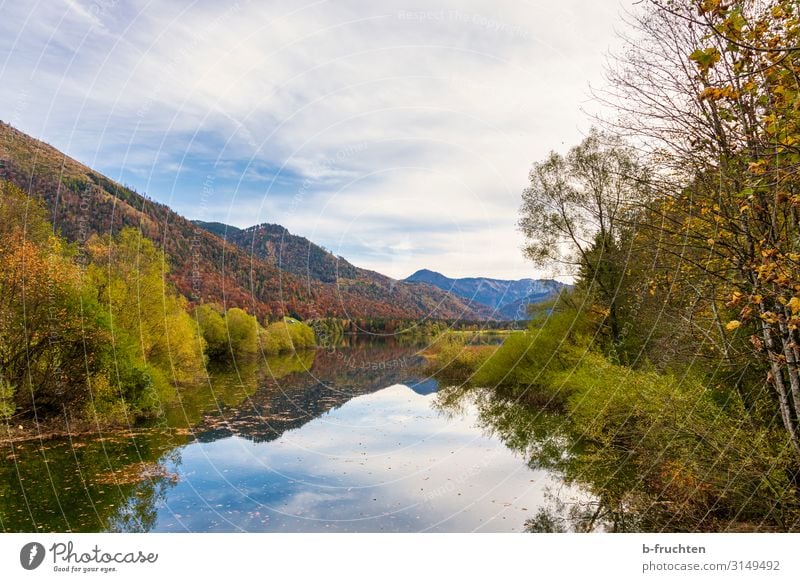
{"type": "Point", "coordinates": [297, 255]}
{"type": "Point", "coordinates": [204, 267]}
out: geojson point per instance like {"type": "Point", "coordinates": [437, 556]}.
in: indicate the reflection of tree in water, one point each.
{"type": "Point", "coordinates": [230, 385]}
{"type": "Point", "coordinates": [117, 483]}
{"type": "Point", "coordinates": [621, 495]}
{"type": "Point", "coordinates": [286, 401]}
{"type": "Point", "coordinates": [107, 484]}
{"type": "Point", "coordinates": [546, 440]}
{"type": "Point", "coordinates": [139, 510]}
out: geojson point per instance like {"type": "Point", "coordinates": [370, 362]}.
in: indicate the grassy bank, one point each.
{"type": "Point", "coordinates": [661, 450]}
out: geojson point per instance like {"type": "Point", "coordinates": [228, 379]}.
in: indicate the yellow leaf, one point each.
{"type": "Point", "coordinates": [794, 305]}
{"type": "Point", "coordinates": [733, 325]}
{"type": "Point", "coordinates": [769, 317]}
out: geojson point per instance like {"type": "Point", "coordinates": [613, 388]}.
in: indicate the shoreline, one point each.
{"type": "Point", "coordinates": [13, 433]}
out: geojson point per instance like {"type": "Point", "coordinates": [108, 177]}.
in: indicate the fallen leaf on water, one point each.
{"type": "Point", "coordinates": [136, 473]}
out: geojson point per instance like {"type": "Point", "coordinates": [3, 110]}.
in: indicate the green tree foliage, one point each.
{"type": "Point", "coordinates": [328, 330]}
{"type": "Point", "coordinates": [526, 360]}
{"type": "Point", "coordinates": [659, 451]}
{"type": "Point", "coordinates": [693, 274]}
{"type": "Point", "coordinates": [211, 324]}
{"type": "Point", "coordinates": [712, 89]}
{"type": "Point", "coordinates": [7, 404]}
{"type": "Point", "coordinates": [156, 344]}
{"type": "Point", "coordinates": [286, 336]}
{"type": "Point", "coordinates": [98, 332]}
{"type": "Point", "coordinates": [680, 453]}
{"type": "Point", "coordinates": [236, 334]}
{"type": "Point", "coordinates": [242, 332]}
{"type": "Point", "coordinates": [574, 213]}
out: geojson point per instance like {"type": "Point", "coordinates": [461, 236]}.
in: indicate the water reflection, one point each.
{"type": "Point", "coordinates": [545, 440]}
{"type": "Point", "coordinates": [325, 380]}
{"type": "Point", "coordinates": [351, 439]}
{"type": "Point", "coordinates": [612, 496]}
{"type": "Point", "coordinates": [105, 484]}
{"type": "Point", "coordinates": [385, 461]}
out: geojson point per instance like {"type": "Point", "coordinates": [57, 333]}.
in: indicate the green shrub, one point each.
{"type": "Point", "coordinates": [242, 332]}
{"type": "Point", "coordinates": [52, 335]}
{"type": "Point", "coordinates": [7, 406]}
{"type": "Point", "coordinates": [664, 441]}
{"type": "Point", "coordinates": [105, 407]}
{"type": "Point", "coordinates": [454, 361]}
{"type": "Point", "coordinates": [286, 336]}
{"type": "Point", "coordinates": [551, 344]}
{"type": "Point", "coordinates": [302, 335]}
{"type": "Point", "coordinates": [147, 315]}
{"type": "Point", "coordinates": [211, 325]}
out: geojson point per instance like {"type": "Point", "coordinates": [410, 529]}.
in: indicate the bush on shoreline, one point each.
{"type": "Point", "coordinates": [664, 447]}
{"type": "Point", "coordinates": [97, 334]}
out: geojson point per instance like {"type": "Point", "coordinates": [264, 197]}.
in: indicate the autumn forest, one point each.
{"type": "Point", "coordinates": [660, 377]}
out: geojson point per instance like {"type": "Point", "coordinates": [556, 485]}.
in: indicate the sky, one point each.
{"type": "Point", "coordinates": [398, 134]}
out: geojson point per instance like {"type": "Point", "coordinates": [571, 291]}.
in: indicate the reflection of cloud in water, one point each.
{"type": "Point", "coordinates": [385, 461]}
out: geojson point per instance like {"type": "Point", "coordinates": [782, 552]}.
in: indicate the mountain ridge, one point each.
{"type": "Point", "coordinates": [503, 298]}
{"type": "Point", "coordinates": [205, 266]}
{"type": "Point", "coordinates": [508, 298]}
{"type": "Point", "coordinates": [275, 245]}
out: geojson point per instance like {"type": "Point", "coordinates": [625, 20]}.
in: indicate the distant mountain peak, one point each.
{"type": "Point", "coordinates": [267, 227]}
{"type": "Point", "coordinates": [299, 256]}
{"type": "Point", "coordinates": [423, 272]}
{"type": "Point", "coordinates": [428, 276]}
{"type": "Point", "coordinates": [508, 298]}
{"type": "Point", "coordinates": [218, 228]}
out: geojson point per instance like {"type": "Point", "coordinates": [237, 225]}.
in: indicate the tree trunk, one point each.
{"type": "Point", "coordinates": [788, 414]}
{"type": "Point", "coordinates": [791, 365]}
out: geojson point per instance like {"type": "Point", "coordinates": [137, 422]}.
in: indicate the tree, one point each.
{"type": "Point", "coordinates": [713, 89]}
{"type": "Point", "coordinates": [242, 332]}
{"type": "Point", "coordinates": [154, 338]}
{"type": "Point", "coordinates": [52, 336]}
{"type": "Point", "coordinates": [574, 211]}
{"type": "Point", "coordinates": [211, 325]}
{"type": "Point", "coordinates": [287, 335]}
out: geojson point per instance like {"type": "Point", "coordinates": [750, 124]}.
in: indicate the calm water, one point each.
{"type": "Point", "coordinates": [347, 440]}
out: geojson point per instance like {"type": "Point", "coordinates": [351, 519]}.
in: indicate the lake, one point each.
{"type": "Point", "coordinates": [352, 439]}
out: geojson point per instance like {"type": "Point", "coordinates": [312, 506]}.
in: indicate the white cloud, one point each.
{"type": "Point", "coordinates": [409, 121]}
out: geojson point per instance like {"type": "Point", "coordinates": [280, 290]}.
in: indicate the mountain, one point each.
{"type": "Point", "coordinates": [508, 299]}
{"type": "Point", "coordinates": [289, 252]}
{"type": "Point", "coordinates": [204, 266]}
{"type": "Point", "coordinates": [277, 247]}
{"type": "Point", "coordinates": [217, 228]}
